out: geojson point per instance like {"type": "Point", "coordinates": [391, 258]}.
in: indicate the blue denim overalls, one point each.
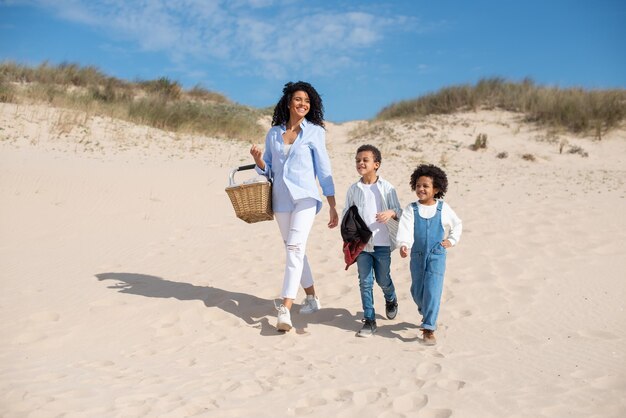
{"type": "Point", "coordinates": [428, 264]}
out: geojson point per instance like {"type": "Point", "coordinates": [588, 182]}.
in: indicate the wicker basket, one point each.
{"type": "Point", "coordinates": [253, 201]}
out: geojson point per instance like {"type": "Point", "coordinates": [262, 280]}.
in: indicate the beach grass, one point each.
{"type": "Point", "coordinates": [575, 110]}
{"type": "Point", "coordinates": [161, 103]}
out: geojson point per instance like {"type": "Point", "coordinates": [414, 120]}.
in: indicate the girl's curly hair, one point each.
{"type": "Point", "coordinates": [316, 109]}
{"type": "Point", "coordinates": [440, 180]}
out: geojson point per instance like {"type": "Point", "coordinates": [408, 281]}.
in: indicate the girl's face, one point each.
{"type": "Point", "coordinates": [425, 190]}
{"type": "Point", "coordinates": [365, 164]}
{"type": "Point", "coordinates": [299, 105]}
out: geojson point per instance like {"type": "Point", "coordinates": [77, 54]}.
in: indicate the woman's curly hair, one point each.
{"type": "Point", "coordinates": [440, 180]}
{"type": "Point", "coordinates": [316, 108]}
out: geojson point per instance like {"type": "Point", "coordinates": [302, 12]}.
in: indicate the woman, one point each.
{"type": "Point", "coordinates": [295, 154]}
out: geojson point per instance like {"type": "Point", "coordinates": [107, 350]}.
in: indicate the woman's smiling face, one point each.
{"type": "Point", "coordinates": [299, 105]}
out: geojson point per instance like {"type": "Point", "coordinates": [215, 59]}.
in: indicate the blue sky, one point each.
{"type": "Point", "coordinates": [360, 55]}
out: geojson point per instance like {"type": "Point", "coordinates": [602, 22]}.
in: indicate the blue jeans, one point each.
{"type": "Point", "coordinates": [372, 265]}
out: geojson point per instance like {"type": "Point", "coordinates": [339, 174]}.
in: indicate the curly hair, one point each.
{"type": "Point", "coordinates": [440, 180]}
{"type": "Point", "coordinates": [316, 109]}
{"type": "Point", "coordinates": [378, 158]}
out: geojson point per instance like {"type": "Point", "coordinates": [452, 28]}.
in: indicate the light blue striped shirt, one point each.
{"type": "Point", "coordinates": [294, 170]}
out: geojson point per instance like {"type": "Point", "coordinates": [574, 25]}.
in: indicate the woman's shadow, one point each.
{"type": "Point", "coordinates": [251, 309]}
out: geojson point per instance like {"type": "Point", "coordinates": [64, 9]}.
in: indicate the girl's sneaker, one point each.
{"type": "Point", "coordinates": [428, 337]}
{"type": "Point", "coordinates": [284, 319]}
{"type": "Point", "coordinates": [310, 304]}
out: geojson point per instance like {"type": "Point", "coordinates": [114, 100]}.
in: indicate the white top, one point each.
{"type": "Point", "coordinates": [389, 200]}
{"type": "Point", "coordinates": [452, 225]}
{"type": "Point", "coordinates": [373, 205]}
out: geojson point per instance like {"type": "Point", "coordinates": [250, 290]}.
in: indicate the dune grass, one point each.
{"type": "Point", "coordinates": [161, 103]}
{"type": "Point", "coordinates": [164, 104]}
{"type": "Point", "coordinates": [573, 109]}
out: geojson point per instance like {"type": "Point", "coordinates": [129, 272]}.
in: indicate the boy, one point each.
{"type": "Point", "coordinates": [378, 205]}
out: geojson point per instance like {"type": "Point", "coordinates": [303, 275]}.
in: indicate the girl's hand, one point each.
{"type": "Point", "coordinates": [446, 244]}
{"type": "Point", "coordinates": [334, 218]}
{"type": "Point", "coordinates": [404, 251]}
{"type": "Point", "coordinates": [257, 154]}
{"type": "Point", "coordinates": [383, 217]}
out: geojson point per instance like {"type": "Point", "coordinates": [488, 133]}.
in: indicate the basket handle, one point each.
{"type": "Point", "coordinates": [231, 176]}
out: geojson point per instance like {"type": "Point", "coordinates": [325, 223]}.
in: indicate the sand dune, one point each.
{"type": "Point", "coordinates": [130, 289]}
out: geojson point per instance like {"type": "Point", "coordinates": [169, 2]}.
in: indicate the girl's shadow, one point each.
{"type": "Point", "coordinates": [251, 309]}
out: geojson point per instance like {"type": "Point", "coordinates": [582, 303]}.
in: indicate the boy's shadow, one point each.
{"type": "Point", "coordinates": [251, 309]}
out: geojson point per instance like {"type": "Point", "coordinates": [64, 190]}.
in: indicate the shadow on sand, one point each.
{"type": "Point", "coordinates": [251, 309]}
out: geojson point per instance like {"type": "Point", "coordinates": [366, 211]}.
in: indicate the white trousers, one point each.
{"type": "Point", "coordinates": [295, 227]}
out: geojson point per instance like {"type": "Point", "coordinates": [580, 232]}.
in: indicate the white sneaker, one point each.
{"type": "Point", "coordinates": [310, 304]}
{"type": "Point", "coordinates": [284, 319]}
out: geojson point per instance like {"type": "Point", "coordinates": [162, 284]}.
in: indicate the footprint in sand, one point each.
{"type": "Point", "coordinates": [307, 405]}
{"type": "Point", "coordinates": [168, 327]}
{"type": "Point", "coordinates": [428, 370]}
{"type": "Point", "coordinates": [366, 397]}
{"type": "Point", "coordinates": [461, 314]}
{"type": "Point", "coordinates": [450, 384]}
{"type": "Point", "coordinates": [340, 395]}
{"type": "Point", "coordinates": [435, 413]}
{"type": "Point", "coordinates": [409, 403]}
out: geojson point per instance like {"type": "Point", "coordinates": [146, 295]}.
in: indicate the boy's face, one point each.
{"type": "Point", "coordinates": [425, 190]}
{"type": "Point", "coordinates": [365, 163]}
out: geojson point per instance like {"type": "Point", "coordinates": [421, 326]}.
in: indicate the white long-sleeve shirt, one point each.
{"type": "Point", "coordinates": [389, 200]}
{"type": "Point", "coordinates": [452, 225]}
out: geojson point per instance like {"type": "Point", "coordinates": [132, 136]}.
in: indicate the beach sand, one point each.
{"type": "Point", "coordinates": [130, 289]}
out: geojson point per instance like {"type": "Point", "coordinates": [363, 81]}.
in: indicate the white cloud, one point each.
{"type": "Point", "coordinates": [269, 37]}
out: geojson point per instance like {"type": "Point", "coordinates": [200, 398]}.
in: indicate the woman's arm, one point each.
{"type": "Point", "coordinates": [321, 163]}
{"type": "Point", "coordinates": [263, 159]}
{"type": "Point", "coordinates": [334, 218]}
{"type": "Point", "coordinates": [257, 155]}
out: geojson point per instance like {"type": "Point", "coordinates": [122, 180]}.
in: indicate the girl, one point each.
{"type": "Point", "coordinates": [428, 227]}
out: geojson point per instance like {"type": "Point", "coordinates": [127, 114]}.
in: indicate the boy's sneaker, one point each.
{"type": "Point", "coordinates": [284, 319]}
{"type": "Point", "coordinates": [369, 328]}
{"type": "Point", "coordinates": [310, 304]}
{"type": "Point", "coordinates": [428, 337]}
{"type": "Point", "coordinates": [391, 308]}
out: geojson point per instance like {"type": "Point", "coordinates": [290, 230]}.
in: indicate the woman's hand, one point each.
{"type": "Point", "coordinates": [334, 218]}
{"type": "Point", "coordinates": [446, 244]}
{"type": "Point", "coordinates": [404, 251]}
{"type": "Point", "coordinates": [257, 154]}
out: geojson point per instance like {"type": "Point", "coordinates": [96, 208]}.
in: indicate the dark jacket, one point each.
{"type": "Point", "coordinates": [355, 234]}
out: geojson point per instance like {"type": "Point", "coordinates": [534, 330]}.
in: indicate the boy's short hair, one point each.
{"type": "Point", "coordinates": [378, 158]}
{"type": "Point", "coordinates": [440, 180]}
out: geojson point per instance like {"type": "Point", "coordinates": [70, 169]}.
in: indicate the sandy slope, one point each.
{"type": "Point", "coordinates": [130, 289]}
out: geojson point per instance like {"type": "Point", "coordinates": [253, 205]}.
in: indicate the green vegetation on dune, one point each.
{"type": "Point", "coordinates": [164, 104]}
{"type": "Point", "coordinates": [574, 109]}
{"type": "Point", "coordinates": [161, 103]}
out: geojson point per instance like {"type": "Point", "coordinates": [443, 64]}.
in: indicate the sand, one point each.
{"type": "Point", "coordinates": [130, 289]}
